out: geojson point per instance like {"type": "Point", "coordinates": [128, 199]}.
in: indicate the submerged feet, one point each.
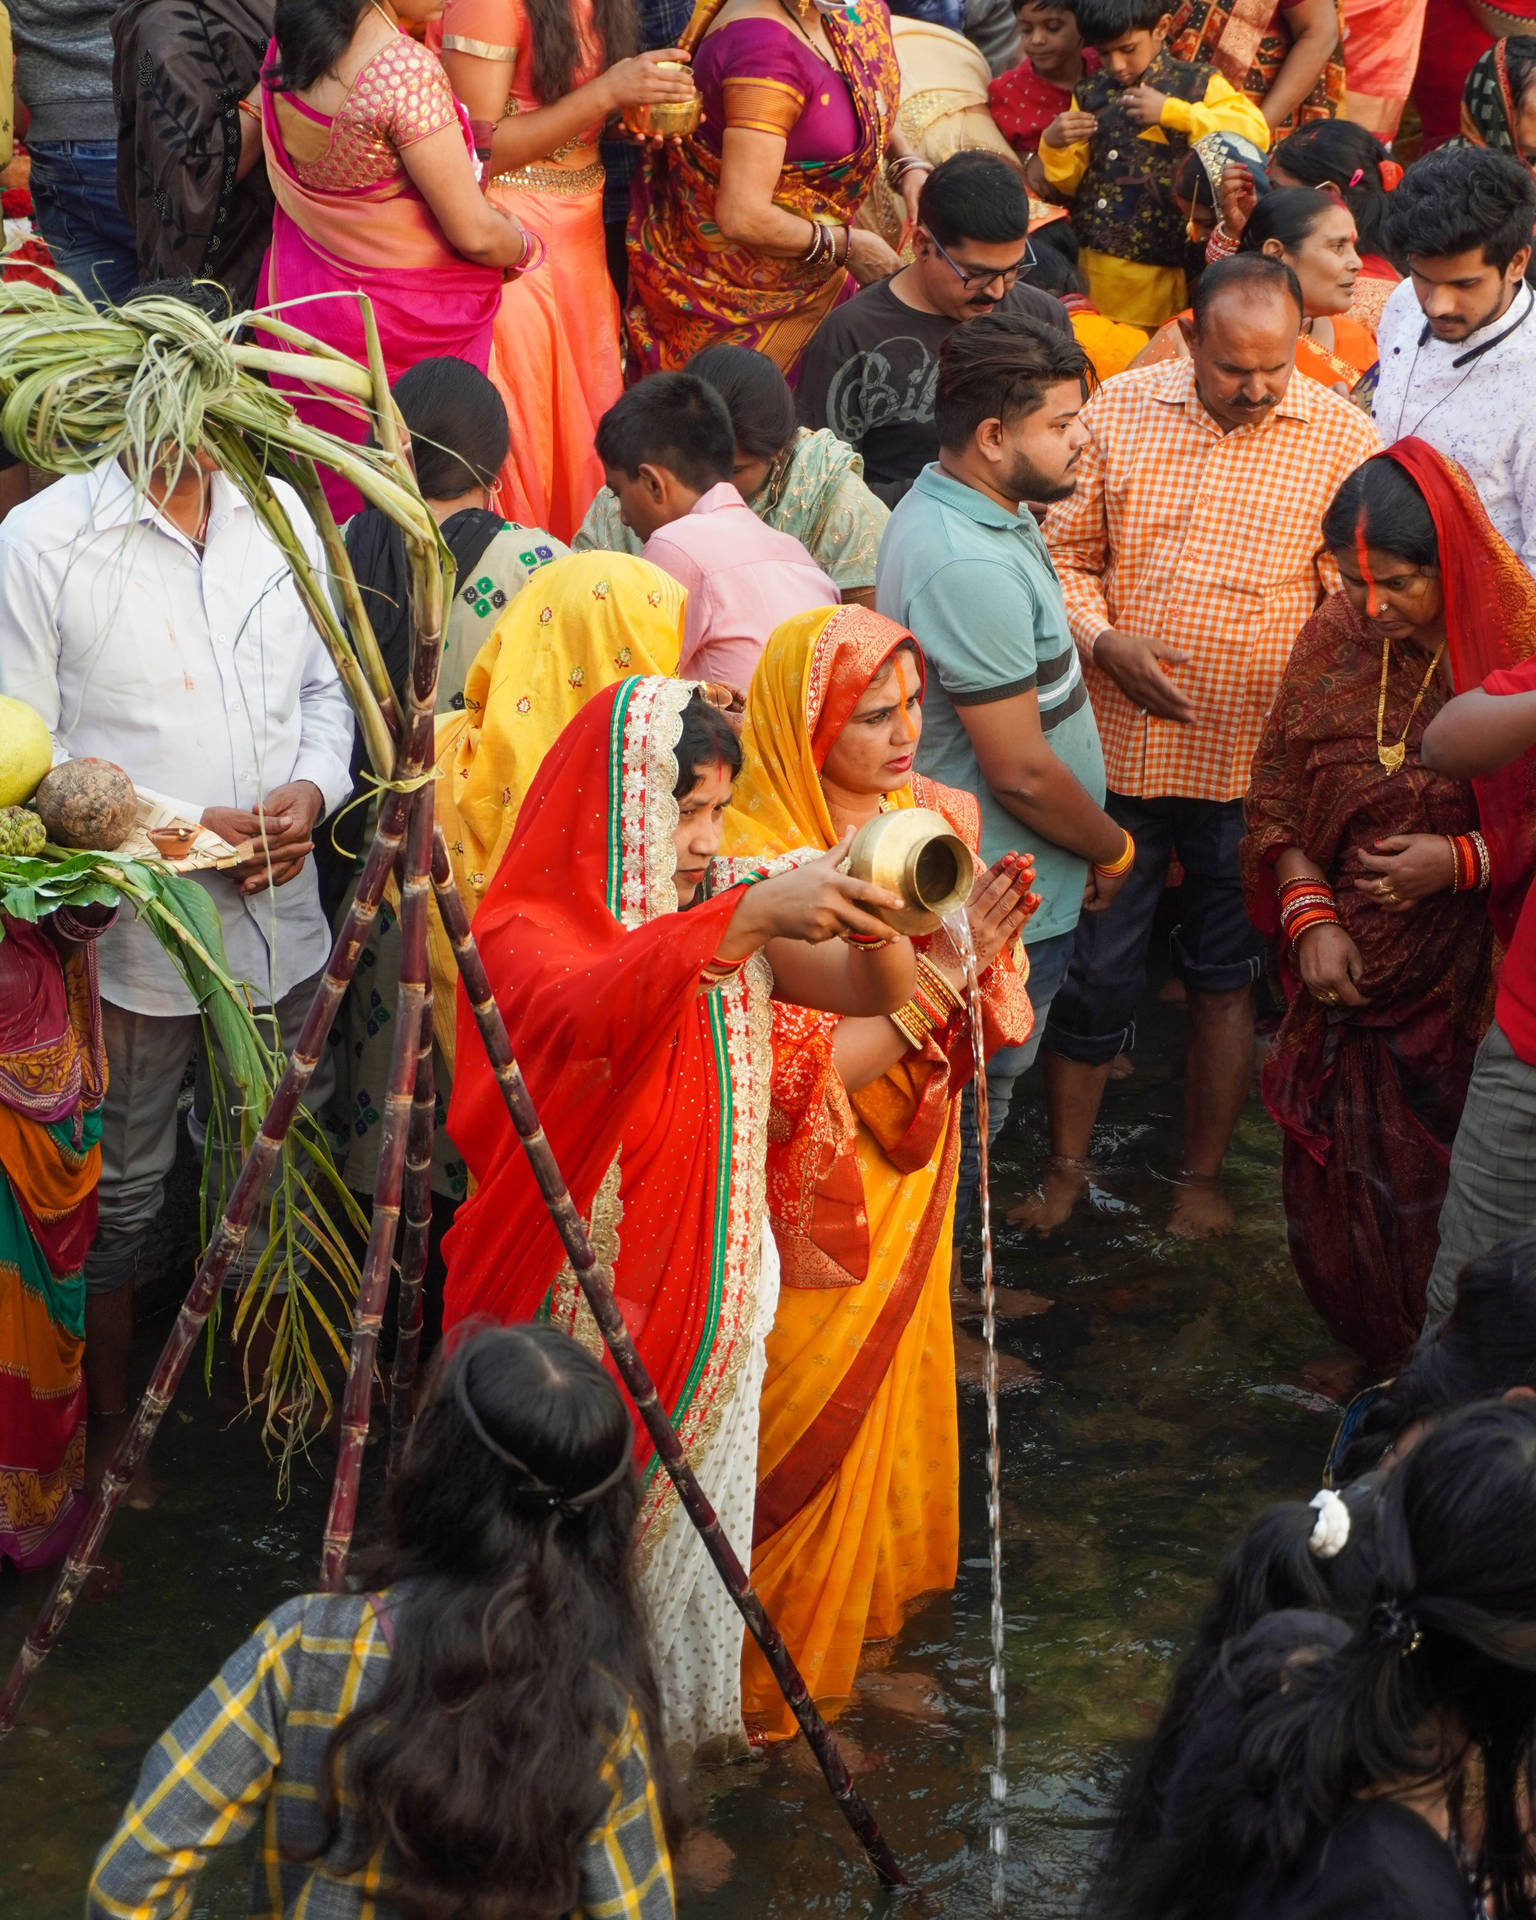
{"type": "Point", "coordinates": [1201, 1211]}
{"type": "Point", "coordinates": [971, 1365]}
{"type": "Point", "coordinates": [1062, 1185]}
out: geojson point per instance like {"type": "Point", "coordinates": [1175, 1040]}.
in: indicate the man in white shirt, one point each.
{"type": "Point", "coordinates": [1457, 339]}
{"type": "Point", "coordinates": [164, 632]}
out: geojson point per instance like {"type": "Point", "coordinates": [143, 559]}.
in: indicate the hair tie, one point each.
{"type": "Point", "coordinates": [1390, 173]}
{"type": "Point", "coordinates": [1394, 1626]}
{"type": "Point", "coordinates": [1330, 1531]}
{"type": "Point", "coordinates": [555, 1499]}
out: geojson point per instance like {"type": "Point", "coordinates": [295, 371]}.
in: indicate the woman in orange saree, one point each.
{"type": "Point", "coordinates": [52, 1078]}
{"type": "Point", "coordinates": [741, 231]}
{"type": "Point", "coordinates": [370, 161]}
{"type": "Point", "coordinates": [858, 1461]}
{"type": "Point", "coordinates": [627, 961]}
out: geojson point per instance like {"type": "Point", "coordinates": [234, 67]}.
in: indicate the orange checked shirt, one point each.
{"type": "Point", "coordinates": [1206, 541]}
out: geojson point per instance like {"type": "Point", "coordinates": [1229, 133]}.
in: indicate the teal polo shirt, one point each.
{"type": "Point", "coordinates": [975, 584]}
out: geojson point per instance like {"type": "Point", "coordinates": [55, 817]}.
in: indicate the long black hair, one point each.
{"type": "Point", "coordinates": [311, 37]}
{"type": "Point", "coordinates": [756, 396]}
{"type": "Point", "coordinates": [1487, 1346]}
{"type": "Point", "coordinates": [1381, 500]}
{"type": "Point", "coordinates": [557, 50]}
{"type": "Point", "coordinates": [1286, 214]}
{"type": "Point", "coordinates": [1340, 154]}
{"type": "Point", "coordinates": [1436, 1689]}
{"type": "Point", "coordinates": [519, 1643]}
{"type": "Point", "coordinates": [1291, 1557]}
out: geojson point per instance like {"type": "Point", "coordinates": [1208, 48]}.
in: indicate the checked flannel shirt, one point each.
{"type": "Point", "coordinates": [251, 1745]}
{"type": "Point", "coordinates": [1206, 541]}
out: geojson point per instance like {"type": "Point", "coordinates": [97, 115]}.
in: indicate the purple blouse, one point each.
{"type": "Point", "coordinates": [758, 74]}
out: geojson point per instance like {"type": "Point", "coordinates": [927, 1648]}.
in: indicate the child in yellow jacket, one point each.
{"type": "Point", "coordinates": [1112, 155]}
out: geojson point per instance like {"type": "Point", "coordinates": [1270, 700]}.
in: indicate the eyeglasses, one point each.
{"type": "Point", "coordinates": [973, 277]}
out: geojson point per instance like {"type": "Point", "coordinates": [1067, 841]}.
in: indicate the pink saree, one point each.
{"type": "Point", "coordinates": [377, 237]}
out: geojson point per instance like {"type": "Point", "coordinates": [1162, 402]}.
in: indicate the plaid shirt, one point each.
{"type": "Point", "coordinates": [661, 25]}
{"type": "Point", "coordinates": [1206, 541]}
{"type": "Point", "coordinates": [252, 1744]}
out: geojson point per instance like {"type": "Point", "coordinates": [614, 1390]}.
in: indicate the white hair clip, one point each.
{"type": "Point", "coordinates": [1330, 1534]}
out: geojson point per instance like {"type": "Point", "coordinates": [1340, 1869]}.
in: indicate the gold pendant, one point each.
{"type": "Point", "coordinates": [1393, 757]}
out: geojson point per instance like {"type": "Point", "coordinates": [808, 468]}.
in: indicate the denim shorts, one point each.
{"type": "Point", "coordinates": [1215, 947]}
{"type": "Point", "coordinates": [74, 201]}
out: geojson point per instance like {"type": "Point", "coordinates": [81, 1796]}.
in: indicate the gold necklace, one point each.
{"type": "Point", "coordinates": [1393, 757]}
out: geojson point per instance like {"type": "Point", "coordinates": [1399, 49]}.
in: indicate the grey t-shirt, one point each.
{"type": "Point", "coordinates": [871, 370]}
{"type": "Point", "coordinates": [975, 584]}
{"type": "Point", "coordinates": [64, 68]}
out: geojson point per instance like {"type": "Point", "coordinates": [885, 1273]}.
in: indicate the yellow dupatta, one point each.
{"type": "Point", "coordinates": [858, 1464]}
{"type": "Point", "coordinates": [580, 624]}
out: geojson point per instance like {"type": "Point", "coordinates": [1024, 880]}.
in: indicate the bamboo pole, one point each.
{"type": "Point", "coordinates": [227, 1242]}
{"type": "Point", "coordinates": [373, 1288]}
{"type": "Point", "coordinates": [414, 1241]}
{"type": "Point", "coordinates": [596, 1284]}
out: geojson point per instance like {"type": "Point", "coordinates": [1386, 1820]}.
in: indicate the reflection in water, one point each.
{"type": "Point", "coordinates": [1172, 1407]}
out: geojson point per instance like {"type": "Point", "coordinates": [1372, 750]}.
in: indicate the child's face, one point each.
{"type": "Point", "coordinates": [1125, 60]}
{"type": "Point", "coordinates": [1048, 36]}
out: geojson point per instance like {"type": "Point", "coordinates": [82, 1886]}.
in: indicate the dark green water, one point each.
{"type": "Point", "coordinates": [1172, 1406]}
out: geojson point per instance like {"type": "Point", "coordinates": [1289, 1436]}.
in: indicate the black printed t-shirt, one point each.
{"type": "Point", "coordinates": [870, 373]}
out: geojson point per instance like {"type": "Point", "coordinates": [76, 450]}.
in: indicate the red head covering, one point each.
{"type": "Point", "coordinates": [1490, 622]}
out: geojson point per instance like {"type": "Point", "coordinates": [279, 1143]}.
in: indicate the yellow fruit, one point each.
{"type": "Point", "coordinates": [26, 751]}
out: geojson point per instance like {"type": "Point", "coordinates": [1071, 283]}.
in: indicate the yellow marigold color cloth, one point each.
{"type": "Point", "coordinates": [858, 1462]}
{"type": "Point", "coordinates": [580, 625]}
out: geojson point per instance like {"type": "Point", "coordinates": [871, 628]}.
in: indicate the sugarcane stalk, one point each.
{"type": "Point", "coordinates": [373, 1289]}
{"type": "Point", "coordinates": [597, 1286]}
{"type": "Point", "coordinates": [414, 1240]}
{"type": "Point", "coordinates": [227, 1242]}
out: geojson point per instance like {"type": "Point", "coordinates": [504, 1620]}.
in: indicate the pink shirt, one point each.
{"type": "Point", "coordinates": [743, 579]}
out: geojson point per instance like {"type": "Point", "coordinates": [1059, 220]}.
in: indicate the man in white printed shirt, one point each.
{"type": "Point", "coordinates": [1457, 339]}
{"type": "Point", "coordinates": [165, 633]}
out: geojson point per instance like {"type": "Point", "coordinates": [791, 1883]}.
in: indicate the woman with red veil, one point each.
{"type": "Point", "coordinates": [1387, 883]}
{"type": "Point", "coordinates": [634, 971]}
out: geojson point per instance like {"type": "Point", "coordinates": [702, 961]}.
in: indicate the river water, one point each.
{"type": "Point", "coordinates": [1174, 1400]}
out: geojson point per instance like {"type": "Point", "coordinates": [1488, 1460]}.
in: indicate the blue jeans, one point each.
{"type": "Point", "coordinates": [74, 202]}
{"type": "Point", "coordinates": [1048, 963]}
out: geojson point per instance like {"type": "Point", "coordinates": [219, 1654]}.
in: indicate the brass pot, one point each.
{"type": "Point", "coordinates": [670, 119]}
{"type": "Point", "coordinates": [913, 852]}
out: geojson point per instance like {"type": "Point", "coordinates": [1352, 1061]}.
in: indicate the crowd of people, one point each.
{"type": "Point", "coordinates": [1143, 480]}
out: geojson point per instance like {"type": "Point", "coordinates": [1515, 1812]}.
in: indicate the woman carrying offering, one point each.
{"type": "Point", "coordinates": [858, 1462]}
{"type": "Point", "coordinates": [634, 969]}
{"type": "Point", "coordinates": [53, 1073]}
{"type": "Point", "coordinates": [1315, 236]}
{"type": "Point", "coordinates": [1380, 877]}
{"type": "Point", "coordinates": [539, 78]}
{"type": "Point", "coordinates": [803, 482]}
{"type": "Point", "coordinates": [475, 1731]}
{"type": "Point", "coordinates": [742, 230]}
{"type": "Point", "coordinates": [371, 162]}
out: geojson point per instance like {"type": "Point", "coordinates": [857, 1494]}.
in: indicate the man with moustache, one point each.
{"type": "Point", "coordinates": [870, 370]}
{"type": "Point", "coordinates": [1458, 338]}
{"type": "Point", "coordinates": [1005, 711]}
{"type": "Point", "coordinates": [1190, 556]}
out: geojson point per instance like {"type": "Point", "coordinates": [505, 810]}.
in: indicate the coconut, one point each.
{"type": "Point", "coordinates": [88, 803]}
{"type": "Point", "coordinates": [26, 750]}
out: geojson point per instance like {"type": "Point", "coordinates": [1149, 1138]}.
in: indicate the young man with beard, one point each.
{"type": "Point", "coordinates": [1005, 710]}
{"type": "Point", "coordinates": [870, 370]}
{"type": "Point", "coordinates": [1190, 555]}
{"type": "Point", "coordinates": [1458, 338]}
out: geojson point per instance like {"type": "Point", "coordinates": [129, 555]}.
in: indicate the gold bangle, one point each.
{"type": "Point", "coordinates": [913, 1023]}
{"type": "Point", "coordinates": [938, 987]}
{"type": "Point", "coordinates": [246, 107]}
{"type": "Point", "coordinates": [1113, 869]}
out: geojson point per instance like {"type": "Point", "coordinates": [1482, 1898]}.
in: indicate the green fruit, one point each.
{"type": "Point", "coordinates": [21, 832]}
{"type": "Point", "coordinates": [26, 751]}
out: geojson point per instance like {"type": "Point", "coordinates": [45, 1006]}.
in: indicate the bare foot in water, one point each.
{"type": "Point", "coordinates": [1201, 1211]}
{"type": "Point", "coordinates": [1013, 1303]}
{"type": "Point", "coordinates": [971, 1365]}
{"type": "Point", "coordinates": [1121, 1067]}
{"type": "Point", "coordinates": [1062, 1185]}
{"type": "Point", "coordinates": [702, 1863]}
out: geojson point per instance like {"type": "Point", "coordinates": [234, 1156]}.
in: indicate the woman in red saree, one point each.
{"type": "Point", "coordinates": [742, 230]}
{"type": "Point", "coordinates": [52, 1078]}
{"type": "Point", "coordinates": [858, 1457]}
{"type": "Point", "coordinates": [371, 162]}
{"type": "Point", "coordinates": [1382, 878]}
{"type": "Point", "coordinates": [643, 1032]}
